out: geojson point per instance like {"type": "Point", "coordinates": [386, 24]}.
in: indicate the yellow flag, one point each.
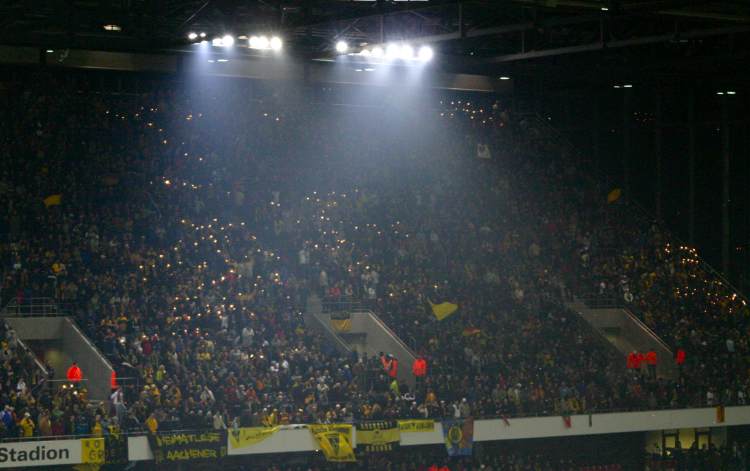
{"type": "Point", "coordinates": [53, 200]}
{"type": "Point", "coordinates": [614, 195]}
{"type": "Point", "coordinates": [341, 325]}
{"type": "Point", "coordinates": [443, 310]}
{"type": "Point", "coordinates": [245, 437]}
{"type": "Point", "coordinates": [335, 441]}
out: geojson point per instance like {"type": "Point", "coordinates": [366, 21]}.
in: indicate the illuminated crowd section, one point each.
{"type": "Point", "coordinates": [186, 224]}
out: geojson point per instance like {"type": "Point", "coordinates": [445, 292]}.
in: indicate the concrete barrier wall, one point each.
{"type": "Point", "coordinates": [635, 332]}
{"type": "Point", "coordinates": [37, 328]}
{"type": "Point", "coordinates": [381, 339]}
{"type": "Point", "coordinates": [295, 439]}
{"type": "Point", "coordinates": [71, 345]}
{"type": "Point", "coordinates": [317, 322]}
{"type": "Point", "coordinates": [95, 366]}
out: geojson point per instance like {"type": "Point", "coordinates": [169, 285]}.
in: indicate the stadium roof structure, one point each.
{"type": "Point", "coordinates": [471, 36]}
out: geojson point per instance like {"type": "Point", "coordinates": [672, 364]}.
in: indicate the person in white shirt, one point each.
{"type": "Point", "coordinates": [710, 397]}
{"type": "Point", "coordinates": [218, 421]}
{"type": "Point", "coordinates": [118, 402]}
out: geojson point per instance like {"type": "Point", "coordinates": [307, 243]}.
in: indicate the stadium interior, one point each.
{"type": "Point", "coordinates": [436, 235]}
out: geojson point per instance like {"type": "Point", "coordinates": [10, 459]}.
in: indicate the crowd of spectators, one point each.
{"type": "Point", "coordinates": [192, 227]}
{"type": "Point", "coordinates": [20, 376]}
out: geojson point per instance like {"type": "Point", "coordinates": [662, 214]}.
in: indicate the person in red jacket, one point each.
{"type": "Point", "coordinates": [679, 358]}
{"type": "Point", "coordinates": [390, 364]}
{"type": "Point", "coordinates": [651, 361]}
{"type": "Point", "coordinates": [385, 360]}
{"type": "Point", "coordinates": [74, 374]}
{"type": "Point", "coordinates": [632, 362]}
{"type": "Point", "coordinates": [419, 367]}
{"type": "Point", "coordinates": [393, 370]}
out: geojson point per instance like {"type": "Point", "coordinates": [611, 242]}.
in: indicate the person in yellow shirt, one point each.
{"type": "Point", "coordinates": [27, 426]}
{"type": "Point", "coordinates": [45, 424]}
{"type": "Point", "coordinates": [431, 398]}
{"type": "Point", "coordinates": [270, 419]}
{"type": "Point", "coordinates": [97, 429]}
{"type": "Point", "coordinates": [113, 428]}
{"type": "Point", "coordinates": [394, 388]}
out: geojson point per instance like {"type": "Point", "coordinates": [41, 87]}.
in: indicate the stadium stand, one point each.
{"type": "Point", "coordinates": [187, 247]}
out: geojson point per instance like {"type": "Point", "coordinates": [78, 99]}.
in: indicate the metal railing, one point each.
{"type": "Point", "coordinates": [31, 354]}
{"type": "Point", "coordinates": [341, 304]}
{"type": "Point", "coordinates": [32, 307]}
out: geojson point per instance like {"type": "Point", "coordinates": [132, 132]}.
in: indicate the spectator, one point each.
{"type": "Point", "coordinates": [27, 425]}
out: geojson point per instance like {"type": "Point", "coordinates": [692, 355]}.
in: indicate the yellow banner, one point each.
{"type": "Point", "coordinates": [335, 441]}
{"type": "Point", "coordinates": [245, 437]}
{"type": "Point", "coordinates": [341, 325]}
{"type": "Point", "coordinates": [92, 450]}
{"type": "Point", "coordinates": [417, 425]}
{"type": "Point", "coordinates": [443, 310]}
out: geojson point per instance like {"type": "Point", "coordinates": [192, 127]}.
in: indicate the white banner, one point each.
{"type": "Point", "coordinates": [40, 453]}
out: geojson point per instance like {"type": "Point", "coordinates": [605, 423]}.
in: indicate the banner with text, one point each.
{"type": "Point", "coordinates": [416, 425]}
{"type": "Point", "coordinates": [40, 453]}
{"type": "Point", "coordinates": [378, 436]}
{"type": "Point", "coordinates": [246, 437]}
{"type": "Point", "coordinates": [178, 447]}
{"type": "Point", "coordinates": [335, 441]}
{"type": "Point", "coordinates": [459, 436]}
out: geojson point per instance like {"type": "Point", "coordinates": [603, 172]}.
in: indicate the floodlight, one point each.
{"type": "Point", "coordinates": [392, 51]}
{"type": "Point", "coordinates": [425, 53]}
{"type": "Point", "coordinates": [407, 52]}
